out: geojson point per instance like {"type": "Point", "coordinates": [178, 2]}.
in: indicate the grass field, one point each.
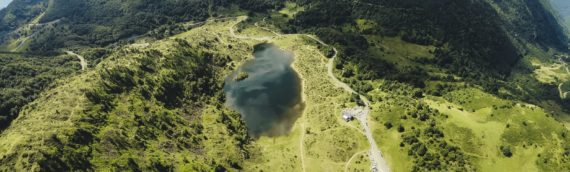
{"type": "Point", "coordinates": [396, 51]}
{"type": "Point", "coordinates": [480, 123]}
{"type": "Point", "coordinates": [291, 9]}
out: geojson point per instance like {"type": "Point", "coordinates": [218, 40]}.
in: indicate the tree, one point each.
{"type": "Point", "coordinates": [401, 128]}
{"type": "Point", "coordinates": [388, 125]}
{"type": "Point", "coordinates": [506, 150]}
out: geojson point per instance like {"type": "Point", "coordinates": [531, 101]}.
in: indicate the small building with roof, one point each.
{"type": "Point", "coordinates": [347, 116]}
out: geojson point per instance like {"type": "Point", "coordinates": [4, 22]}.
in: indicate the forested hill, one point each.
{"type": "Point", "coordinates": [102, 22]}
{"type": "Point", "coordinates": [482, 41]}
{"type": "Point", "coordinates": [19, 13]}
{"type": "Point", "coordinates": [490, 32]}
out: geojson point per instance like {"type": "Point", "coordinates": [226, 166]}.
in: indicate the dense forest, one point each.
{"type": "Point", "coordinates": [454, 28]}
{"type": "Point", "coordinates": [23, 77]}
{"type": "Point", "coordinates": [102, 22]}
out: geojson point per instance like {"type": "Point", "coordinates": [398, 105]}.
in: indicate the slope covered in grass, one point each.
{"type": "Point", "coordinates": [153, 108]}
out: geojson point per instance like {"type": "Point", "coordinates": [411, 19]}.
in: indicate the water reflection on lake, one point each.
{"type": "Point", "coordinates": [269, 98]}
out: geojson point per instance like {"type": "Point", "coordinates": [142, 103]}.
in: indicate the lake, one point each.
{"type": "Point", "coordinates": [562, 6]}
{"type": "Point", "coordinates": [270, 97]}
{"type": "Point", "coordinates": [4, 3]}
{"type": "Point", "coordinates": [563, 9]}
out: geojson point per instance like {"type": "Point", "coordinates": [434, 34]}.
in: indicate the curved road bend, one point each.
{"type": "Point", "coordinates": [82, 60]}
{"type": "Point", "coordinates": [378, 162]}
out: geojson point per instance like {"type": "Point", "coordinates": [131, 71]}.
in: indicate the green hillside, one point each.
{"type": "Point", "coordinates": [163, 104]}
{"type": "Point", "coordinates": [138, 85]}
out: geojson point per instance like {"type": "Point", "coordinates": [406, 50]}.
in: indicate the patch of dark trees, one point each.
{"type": "Point", "coordinates": [469, 37]}
{"type": "Point", "coordinates": [189, 87]}
{"type": "Point", "coordinates": [23, 77]}
{"type": "Point", "coordinates": [425, 137]}
{"type": "Point", "coordinates": [459, 24]}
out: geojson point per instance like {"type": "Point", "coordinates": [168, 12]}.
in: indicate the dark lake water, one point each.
{"type": "Point", "coordinates": [269, 99]}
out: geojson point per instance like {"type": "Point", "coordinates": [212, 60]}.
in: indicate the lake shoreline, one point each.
{"type": "Point", "coordinates": [269, 95]}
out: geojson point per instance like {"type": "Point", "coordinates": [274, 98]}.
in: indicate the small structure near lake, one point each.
{"type": "Point", "coordinates": [351, 114]}
{"type": "Point", "coordinates": [347, 116]}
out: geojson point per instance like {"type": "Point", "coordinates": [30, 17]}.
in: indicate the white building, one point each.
{"type": "Point", "coordinates": [347, 116]}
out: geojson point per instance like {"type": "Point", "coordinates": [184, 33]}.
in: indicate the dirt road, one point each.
{"type": "Point", "coordinates": [378, 162]}
{"type": "Point", "coordinates": [82, 60]}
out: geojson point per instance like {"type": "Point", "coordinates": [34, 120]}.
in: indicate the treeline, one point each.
{"type": "Point", "coordinates": [457, 24]}
{"type": "Point", "coordinates": [196, 81]}
{"type": "Point", "coordinates": [22, 78]}
{"type": "Point", "coordinates": [102, 22]}
{"type": "Point", "coordinates": [533, 21]}
{"type": "Point", "coordinates": [471, 44]}
{"type": "Point", "coordinates": [425, 141]}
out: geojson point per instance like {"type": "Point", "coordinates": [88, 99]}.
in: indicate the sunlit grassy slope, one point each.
{"type": "Point", "coordinates": [480, 131]}
{"type": "Point", "coordinates": [480, 125]}
{"type": "Point", "coordinates": [123, 115]}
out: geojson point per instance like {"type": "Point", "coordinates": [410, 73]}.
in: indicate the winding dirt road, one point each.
{"type": "Point", "coordinates": [378, 162]}
{"type": "Point", "coordinates": [351, 159]}
{"type": "Point", "coordinates": [82, 60]}
{"type": "Point", "coordinates": [31, 26]}
{"type": "Point", "coordinates": [563, 95]}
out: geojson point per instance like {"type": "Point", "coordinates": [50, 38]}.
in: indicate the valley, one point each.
{"type": "Point", "coordinates": [259, 85]}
